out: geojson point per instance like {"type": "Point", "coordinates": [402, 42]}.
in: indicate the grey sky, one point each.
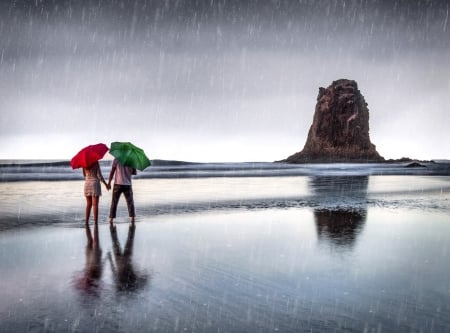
{"type": "Point", "coordinates": [218, 80]}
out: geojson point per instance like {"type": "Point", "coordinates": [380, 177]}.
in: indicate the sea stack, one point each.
{"type": "Point", "coordinates": [340, 128]}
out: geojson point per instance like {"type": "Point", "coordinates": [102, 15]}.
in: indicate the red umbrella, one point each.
{"type": "Point", "coordinates": [89, 155]}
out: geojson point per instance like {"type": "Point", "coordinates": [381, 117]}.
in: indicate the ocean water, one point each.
{"type": "Point", "coordinates": [11, 170]}
{"type": "Point", "coordinates": [333, 248]}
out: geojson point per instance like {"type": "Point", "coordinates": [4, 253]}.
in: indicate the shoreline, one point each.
{"type": "Point", "coordinates": [175, 196]}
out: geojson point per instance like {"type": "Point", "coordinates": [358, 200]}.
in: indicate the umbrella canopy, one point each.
{"type": "Point", "coordinates": [129, 155]}
{"type": "Point", "coordinates": [89, 155]}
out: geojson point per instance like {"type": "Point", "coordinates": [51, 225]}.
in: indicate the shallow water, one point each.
{"type": "Point", "coordinates": [33, 203]}
{"type": "Point", "coordinates": [328, 254]}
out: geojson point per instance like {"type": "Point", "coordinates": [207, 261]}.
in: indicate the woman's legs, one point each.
{"type": "Point", "coordinates": [95, 201]}
{"type": "Point", "coordinates": [88, 208]}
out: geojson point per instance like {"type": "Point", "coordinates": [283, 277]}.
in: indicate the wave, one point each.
{"type": "Point", "coordinates": [60, 170]}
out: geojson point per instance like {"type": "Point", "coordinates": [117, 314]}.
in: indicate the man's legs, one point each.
{"type": "Point", "coordinates": [128, 192]}
{"type": "Point", "coordinates": [117, 190]}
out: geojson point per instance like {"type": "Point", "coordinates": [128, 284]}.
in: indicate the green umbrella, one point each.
{"type": "Point", "coordinates": [129, 155]}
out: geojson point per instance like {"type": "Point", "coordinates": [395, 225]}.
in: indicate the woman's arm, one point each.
{"type": "Point", "coordinates": [100, 176]}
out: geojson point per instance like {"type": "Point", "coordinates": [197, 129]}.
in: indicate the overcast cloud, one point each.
{"type": "Point", "coordinates": [218, 80]}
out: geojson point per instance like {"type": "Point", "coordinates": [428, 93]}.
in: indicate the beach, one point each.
{"type": "Point", "coordinates": [321, 251]}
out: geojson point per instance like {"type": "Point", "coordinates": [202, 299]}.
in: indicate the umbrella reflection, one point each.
{"type": "Point", "coordinates": [343, 209]}
{"type": "Point", "coordinates": [88, 281]}
{"type": "Point", "coordinates": [126, 277]}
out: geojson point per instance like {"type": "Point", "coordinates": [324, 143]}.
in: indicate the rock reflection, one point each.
{"type": "Point", "coordinates": [338, 226]}
{"type": "Point", "coordinates": [88, 280]}
{"type": "Point", "coordinates": [342, 208]}
{"type": "Point", "coordinates": [126, 277]}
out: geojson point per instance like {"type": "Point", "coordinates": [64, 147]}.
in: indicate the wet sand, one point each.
{"type": "Point", "coordinates": [320, 254]}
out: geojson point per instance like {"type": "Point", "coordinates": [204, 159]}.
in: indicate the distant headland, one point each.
{"type": "Point", "coordinates": [340, 128]}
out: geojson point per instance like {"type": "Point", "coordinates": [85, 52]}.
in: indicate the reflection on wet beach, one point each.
{"type": "Point", "coordinates": [126, 277]}
{"type": "Point", "coordinates": [325, 254]}
{"type": "Point", "coordinates": [88, 281]}
{"type": "Point", "coordinates": [233, 272]}
{"type": "Point", "coordinates": [339, 187]}
{"type": "Point", "coordinates": [340, 226]}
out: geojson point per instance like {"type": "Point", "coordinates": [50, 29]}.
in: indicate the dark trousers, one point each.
{"type": "Point", "coordinates": [128, 193]}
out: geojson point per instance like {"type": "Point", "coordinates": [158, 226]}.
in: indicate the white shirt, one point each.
{"type": "Point", "coordinates": [123, 173]}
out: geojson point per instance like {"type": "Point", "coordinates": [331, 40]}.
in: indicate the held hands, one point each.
{"type": "Point", "coordinates": [107, 185]}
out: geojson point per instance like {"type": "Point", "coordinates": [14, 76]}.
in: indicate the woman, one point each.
{"type": "Point", "coordinates": [92, 189]}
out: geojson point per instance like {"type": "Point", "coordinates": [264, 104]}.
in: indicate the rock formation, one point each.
{"type": "Point", "coordinates": [340, 128]}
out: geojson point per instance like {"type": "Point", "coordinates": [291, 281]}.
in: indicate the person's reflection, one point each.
{"type": "Point", "coordinates": [126, 277]}
{"type": "Point", "coordinates": [88, 282]}
{"type": "Point", "coordinates": [341, 211]}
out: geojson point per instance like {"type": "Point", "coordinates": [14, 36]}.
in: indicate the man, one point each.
{"type": "Point", "coordinates": [122, 184]}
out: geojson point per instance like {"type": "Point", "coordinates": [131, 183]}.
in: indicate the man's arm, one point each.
{"type": "Point", "coordinates": [111, 175]}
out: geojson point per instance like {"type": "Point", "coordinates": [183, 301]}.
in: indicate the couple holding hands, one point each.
{"type": "Point", "coordinates": [122, 184]}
